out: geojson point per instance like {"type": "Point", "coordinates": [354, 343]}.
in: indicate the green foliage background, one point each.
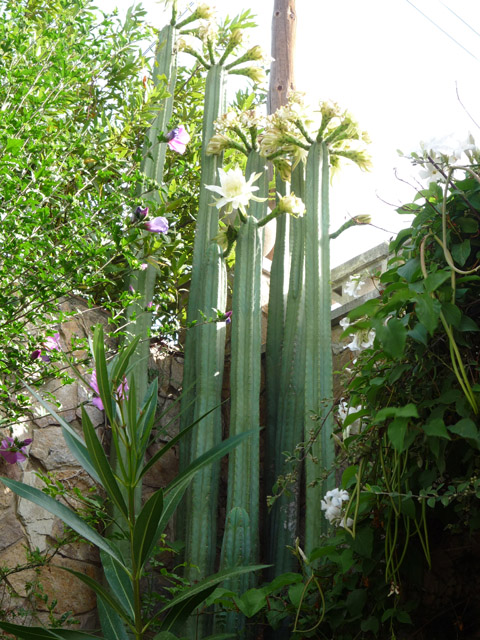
{"type": "Point", "coordinates": [74, 113]}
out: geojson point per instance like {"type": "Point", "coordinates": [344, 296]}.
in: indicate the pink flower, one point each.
{"type": "Point", "coordinates": [97, 401]}
{"type": "Point", "coordinates": [177, 139]}
{"type": "Point", "coordinates": [13, 450]}
{"type": "Point", "coordinates": [157, 225]}
{"type": "Point", "coordinates": [143, 266]}
{"type": "Point", "coordinates": [150, 305]}
{"type": "Point", "coordinates": [52, 343]}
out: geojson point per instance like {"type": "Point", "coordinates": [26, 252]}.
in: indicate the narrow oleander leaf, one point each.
{"type": "Point", "coordinates": [213, 454]}
{"type": "Point", "coordinates": [73, 440]}
{"type": "Point", "coordinates": [171, 443]}
{"type": "Point", "coordinates": [39, 633]}
{"type": "Point", "coordinates": [108, 599]}
{"type": "Point", "coordinates": [112, 625]}
{"type": "Point", "coordinates": [65, 514]}
{"type": "Point", "coordinates": [120, 581]}
{"type": "Point", "coordinates": [103, 383]}
{"type": "Point", "coordinates": [102, 465]}
{"type": "Point", "coordinates": [145, 531]}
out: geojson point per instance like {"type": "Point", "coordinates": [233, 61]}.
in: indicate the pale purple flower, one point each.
{"type": "Point", "coordinates": [149, 305]}
{"type": "Point", "coordinates": [157, 225]}
{"type": "Point", "coordinates": [131, 289]}
{"type": "Point", "coordinates": [143, 266]}
{"type": "Point", "coordinates": [177, 139]}
{"type": "Point", "coordinates": [228, 317]}
{"type": "Point", "coordinates": [52, 343]}
{"type": "Point", "coordinates": [97, 401]}
{"type": "Point", "coordinates": [141, 213]}
{"type": "Point", "coordinates": [14, 450]}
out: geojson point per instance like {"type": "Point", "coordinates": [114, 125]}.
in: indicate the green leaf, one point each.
{"type": "Point", "coordinates": [145, 534]}
{"type": "Point", "coordinates": [460, 252]}
{"type": "Point", "coordinates": [408, 411]}
{"type": "Point", "coordinates": [465, 428]}
{"type": "Point", "coordinates": [363, 542]}
{"type": "Point", "coordinates": [212, 455]}
{"type": "Point", "coordinates": [468, 324]}
{"type": "Point", "coordinates": [295, 594]}
{"type": "Point", "coordinates": [102, 373]}
{"type": "Point", "coordinates": [251, 602]}
{"type": "Point", "coordinates": [368, 308]}
{"type": "Point", "coordinates": [419, 333]}
{"type": "Point", "coordinates": [436, 427]}
{"type": "Point", "coordinates": [428, 311]}
{"type": "Point", "coordinates": [467, 225]}
{"type": "Point", "coordinates": [40, 633]}
{"type": "Point", "coordinates": [397, 430]}
{"type": "Point", "coordinates": [355, 602]}
{"type": "Point", "coordinates": [112, 625]}
{"type": "Point", "coordinates": [171, 443]}
{"type": "Point", "coordinates": [451, 313]}
{"type": "Point", "coordinates": [393, 336]}
{"type": "Point", "coordinates": [212, 581]}
{"type": "Point", "coordinates": [102, 464]}
{"type": "Point", "coordinates": [435, 280]}
{"type": "Point", "coordinates": [370, 624]}
{"type": "Point", "coordinates": [120, 582]}
{"type": "Point", "coordinates": [349, 476]}
{"type": "Point", "coordinates": [410, 270]}
{"type": "Point", "coordinates": [108, 599]}
{"type": "Point", "coordinates": [73, 440]}
{"type": "Point", "coordinates": [407, 507]}
{"type": "Point", "coordinates": [65, 514]}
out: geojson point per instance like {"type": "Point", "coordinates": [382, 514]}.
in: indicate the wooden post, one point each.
{"type": "Point", "coordinates": [282, 75]}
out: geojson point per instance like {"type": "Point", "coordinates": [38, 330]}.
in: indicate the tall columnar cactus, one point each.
{"type": "Point", "coordinates": [142, 282]}
{"type": "Point", "coordinates": [318, 353]}
{"type": "Point", "coordinates": [243, 468]}
{"type": "Point", "coordinates": [204, 347]}
{"type": "Point", "coordinates": [206, 229]}
{"type": "Point", "coordinates": [279, 275]}
{"type": "Point", "coordinates": [201, 528]}
{"type": "Point", "coordinates": [305, 386]}
{"type": "Point", "coordinates": [287, 429]}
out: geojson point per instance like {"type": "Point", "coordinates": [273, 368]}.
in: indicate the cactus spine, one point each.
{"type": "Point", "coordinates": [318, 357]}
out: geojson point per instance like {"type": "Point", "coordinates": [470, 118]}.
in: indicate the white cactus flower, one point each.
{"type": "Point", "coordinates": [235, 191]}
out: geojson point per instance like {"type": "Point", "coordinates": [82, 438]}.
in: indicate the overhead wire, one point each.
{"type": "Point", "coordinates": [460, 18]}
{"type": "Point", "coordinates": [443, 31]}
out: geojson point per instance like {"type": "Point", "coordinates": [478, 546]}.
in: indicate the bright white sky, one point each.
{"type": "Point", "coordinates": [395, 71]}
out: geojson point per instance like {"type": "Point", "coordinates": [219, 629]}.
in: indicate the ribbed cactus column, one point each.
{"type": "Point", "coordinates": [243, 466]}
{"type": "Point", "coordinates": [279, 275]}
{"type": "Point", "coordinates": [288, 427]}
{"type": "Point", "coordinates": [139, 318]}
{"type": "Point", "coordinates": [318, 356]}
{"type": "Point", "coordinates": [206, 229]}
{"type": "Point", "coordinates": [202, 494]}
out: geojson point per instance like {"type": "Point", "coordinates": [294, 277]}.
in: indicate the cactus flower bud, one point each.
{"type": "Point", "coordinates": [292, 205]}
{"type": "Point", "coordinates": [257, 74]}
{"type": "Point", "coordinates": [217, 144]}
{"type": "Point", "coordinates": [205, 11]}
